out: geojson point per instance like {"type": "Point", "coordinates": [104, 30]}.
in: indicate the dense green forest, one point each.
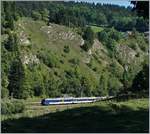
{"type": "Point", "coordinates": [49, 49]}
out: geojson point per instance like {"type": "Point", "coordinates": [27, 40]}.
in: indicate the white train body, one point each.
{"type": "Point", "coordinates": [70, 100]}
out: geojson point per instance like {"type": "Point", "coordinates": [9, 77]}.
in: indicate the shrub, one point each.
{"type": "Point", "coordinates": [4, 92]}
{"type": "Point", "coordinates": [102, 36]}
{"type": "Point", "coordinates": [56, 73]}
{"type": "Point", "coordinates": [87, 45]}
{"type": "Point", "coordinates": [95, 69]}
{"type": "Point", "coordinates": [61, 61]}
{"type": "Point", "coordinates": [36, 15]}
{"type": "Point", "coordinates": [18, 107]}
{"type": "Point", "coordinates": [63, 55]}
{"type": "Point", "coordinates": [66, 49]}
{"type": "Point", "coordinates": [88, 37]}
{"type": "Point", "coordinates": [143, 47]}
{"type": "Point", "coordinates": [141, 80]}
{"type": "Point", "coordinates": [12, 107]}
{"type": "Point", "coordinates": [38, 90]}
{"type": "Point", "coordinates": [74, 61]}
{"type": "Point", "coordinates": [50, 59]}
{"type": "Point", "coordinates": [138, 54]}
{"type": "Point", "coordinates": [133, 45]}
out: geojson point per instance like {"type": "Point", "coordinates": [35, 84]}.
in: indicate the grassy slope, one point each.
{"type": "Point", "coordinates": [41, 41]}
{"type": "Point", "coordinates": [109, 116]}
{"type": "Point", "coordinates": [96, 29]}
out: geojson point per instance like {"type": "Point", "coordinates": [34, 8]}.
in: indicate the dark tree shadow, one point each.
{"type": "Point", "coordinates": [86, 119]}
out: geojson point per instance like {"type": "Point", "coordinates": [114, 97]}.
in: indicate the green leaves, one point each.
{"type": "Point", "coordinates": [49, 59]}
{"type": "Point", "coordinates": [88, 36]}
{"type": "Point", "coordinates": [66, 49]}
{"type": "Point", "coordinates": [16, 77]}
{"type": "Point", "coordinates": [12, 107]}
{"type": "Point", "coordinates": [141, 80]}
{"type": "Point", "coordinates": [36, 15]}
{"type": "Point", "coordinates": [11, 43]}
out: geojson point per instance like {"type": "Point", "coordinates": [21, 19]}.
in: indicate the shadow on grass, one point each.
{"type": "Point", "coordinates": [84, 119]}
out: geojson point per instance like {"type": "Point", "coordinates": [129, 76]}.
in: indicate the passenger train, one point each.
{"type": "Point", "coordinates": [70, 100]}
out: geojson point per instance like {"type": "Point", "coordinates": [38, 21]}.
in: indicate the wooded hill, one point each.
{"type": "Point", "coordinates": [49, 49]}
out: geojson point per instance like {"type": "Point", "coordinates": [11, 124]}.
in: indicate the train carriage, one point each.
{"type": "Point", "coordinates": [71, 100]}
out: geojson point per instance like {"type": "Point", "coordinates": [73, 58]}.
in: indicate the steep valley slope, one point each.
{"type": "Point", "coordinates": [55, 51]}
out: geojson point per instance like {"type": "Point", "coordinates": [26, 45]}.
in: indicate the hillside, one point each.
{"type": "Point", "coordinates": [55, 50]}
{"type": "Point", "coordinates": [54, 54]}
{"type": "Point", "coordinates": [35, 37]}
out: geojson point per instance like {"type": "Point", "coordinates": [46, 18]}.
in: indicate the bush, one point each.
{"type": "Point", "coordinates": [61, 61]}
{"type": "Point", "coordinates": [141, 80]}
{"type": "Point", "coordinates": [88, 37]}
{"type": "Point", "coordinates": [50, 59]}
{"type": "Point", "coordinates": [66, 49]}
{"type": "Point", "coordinates": [12, 107]}
{"type": "Point", "coordinates": [133, 45]}
{"type": "Point", "coordinates": [95, 69]}
{"type": "Point", "coordinates": [36, 15]}
{"type": "Point", "coordinates": [74, 61]}
{"type": "Point", "coordinates": [143, 47]}
{"type": "Point", "coordinates": [87, 45]}
{"type": "Point", "coordinates": [4, 92]}
{"type": "Point", "coordinates": [102, 36]}
{"type": "Point", "coordinates": [109, 35]}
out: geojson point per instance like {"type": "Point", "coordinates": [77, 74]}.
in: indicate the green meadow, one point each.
{"type": "Point", "coordinates": [105, 116]}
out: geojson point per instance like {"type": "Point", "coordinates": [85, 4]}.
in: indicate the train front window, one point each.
{"type": "Point", "coordinates": [54, 100]}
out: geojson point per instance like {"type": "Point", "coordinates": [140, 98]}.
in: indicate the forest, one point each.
{"type": "Point", "coordinates": [62, 71]}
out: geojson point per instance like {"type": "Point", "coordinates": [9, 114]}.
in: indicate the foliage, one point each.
{"type": "Point", "coordinates": [116, 70]}
{"type": "Point", "coordinates": [87, 45]}
{"type": "Point", "coordinates": [52, 86]}
{"type": "Point", "coordinates": [142, 8]}
{"type": "Point", "coordinates": [41, 15]}
{"type": "Point", "coordinates": [66, 49]}
{"type": "Point", "coordinates": [36, 15]}
{"type": "Point", "coordinates": [133, 45]}
{"type": "Point", "coordinates": [15, 77]}
{"type": "Point", "coordinates": [109, 37]}
{"type": "Point", "coordinates": [11, 43]}
{"type": "Point", "coordinates": [76, 14]}
{"type": "Point", "coordinates": [12, 107]}
{"type": "Point", "coordinates": [9, 15]}
{"type": "Point", "coordinates": [114, 86]}
{"type": "Point", "coordinates": [4, 91]}
{"type": "Point", "coordinates": [45, 15]}
{"type": "Point", "coordinates": [109, 33]}
{"type": "Point", "coordinates": [103, 84]}
{"type": "Point", "coordinates": [88, 36]}
{"type": "Point", "coordinates": [49, 59]}
{"type": "Point", "coordinates": [141, 80]}
{"type": "Point", "coordinates": [128, 23]}
{"type": "Point", "coordinates": [77, 84]}
{"type": "Point", "coordinates": [74, 61]}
